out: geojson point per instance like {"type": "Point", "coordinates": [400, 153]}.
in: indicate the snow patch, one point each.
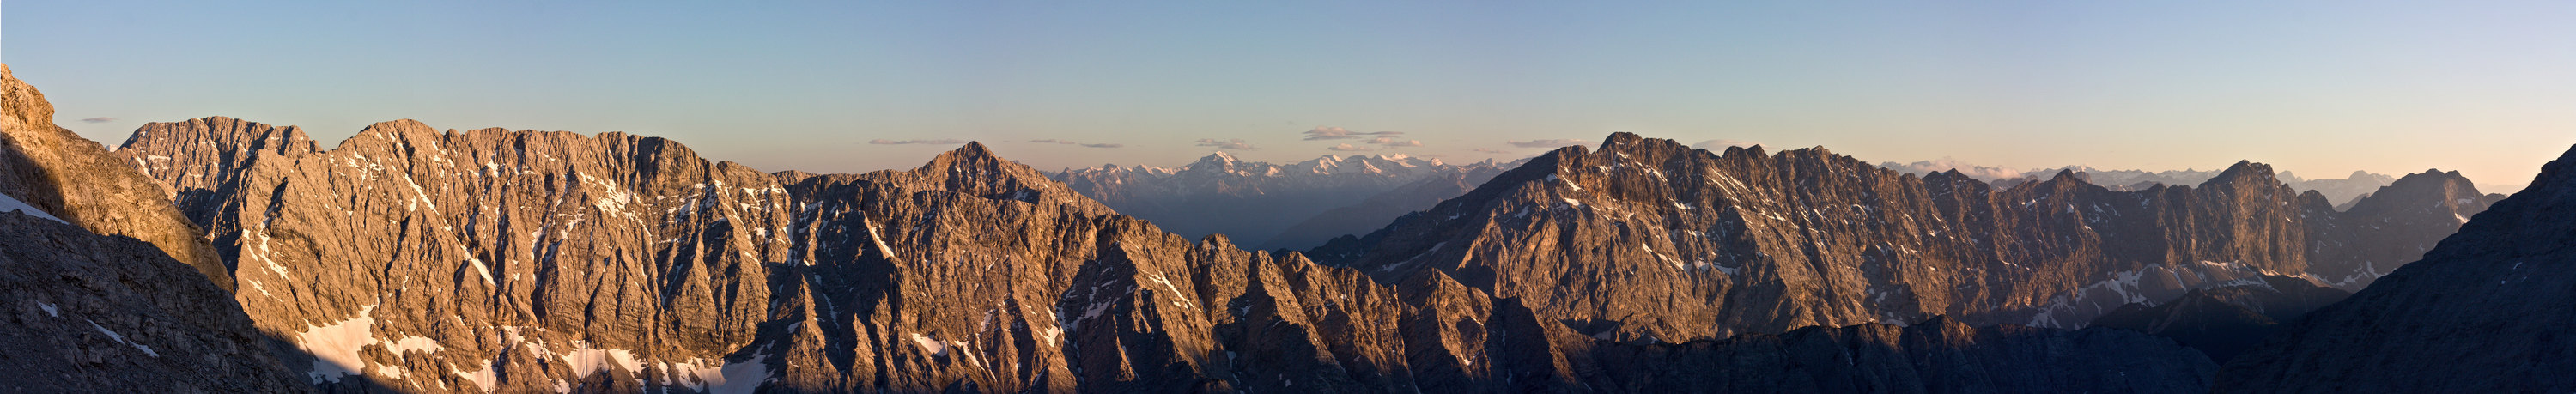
{"type": "Point", "coordinates": [586, 360]}
{"type": "Point", "coordinates": [120, 338]}
{"type": "Point", "coordinates": [482, 378]}
{"type": "Point", "coordinates": [928, 345]}
{"type": "Point", "coordinates": [727, 378]}
{"type": "Point", "coordinates": [335, 348]}
{"type": "Point", "coordinates": [12, 204]}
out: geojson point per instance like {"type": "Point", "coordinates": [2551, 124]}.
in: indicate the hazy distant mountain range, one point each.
{"type": "Point", "coordinates": [224, 255]}
{"type": "Point", "coordinates": [2340, 191]}
{"type": "Point", "coordinates": [1271, 206]}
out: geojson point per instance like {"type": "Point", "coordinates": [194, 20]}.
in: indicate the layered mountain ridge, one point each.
{"type": "Point", "coordinates": [2341, 191]}
{"type": "Point", "coordinates": [1650, 240]}
{"type": "Point", "coordinates": [417, 260]}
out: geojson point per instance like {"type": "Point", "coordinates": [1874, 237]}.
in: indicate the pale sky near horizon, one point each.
{"type": "Point", "coordinates": [2321, 88]}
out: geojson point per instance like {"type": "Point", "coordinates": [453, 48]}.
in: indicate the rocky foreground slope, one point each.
{"type": "Point", "coordinates": [418, 260]}
{"type": "Point", "coordinates": [2489, 310]}
{"type": "Point", "coordinates": [2224, 321]}
{"type": "Point", "coordinates": [86, 312]}
{"type": "Point", "coordinates": [1650, 240]}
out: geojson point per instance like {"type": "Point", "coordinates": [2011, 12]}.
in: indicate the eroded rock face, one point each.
{"type": "Point", "coordinates": [2487, 310]}
{"type": "Point", "coordinates": [1648, 239]}
{"type": "Point", "coordinates": [413, 259]}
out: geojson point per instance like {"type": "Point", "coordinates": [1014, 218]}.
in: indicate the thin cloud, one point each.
{"type": "Point", "coordinates": [1392, 142]}
{"type": "Point", "coordinates": [1349, 148]}
{"type": "Point", "coordinates": [101, 119]}
{"type": "Point", "coordinates": [1721, 144]}
{"type": "Point", "coordinates": [1233, 144]}
{"type": "Point", "coordinates": [1545, 143]}
{"type": "Point", "coordinates": [945, 141]}
{"type": "Point", "coordinates": [1064, 142]}
{"type": "Point", "coordinates": [1337, 133]}
{"type": "Point", "coordinates": [1490, 150]}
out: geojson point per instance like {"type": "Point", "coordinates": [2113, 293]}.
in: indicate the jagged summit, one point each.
{"type": "Point", "coordinates": [975, 170]}
{"type": "Point", "coordinates": [971, 154]}
{"type": "Point", "coordinates": [2244, 172]}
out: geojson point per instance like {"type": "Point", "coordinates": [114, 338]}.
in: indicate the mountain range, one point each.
{"type": "Point", "coordinates": [225, 255]}
{"type": "Point", "coordinates": [2340, 191]}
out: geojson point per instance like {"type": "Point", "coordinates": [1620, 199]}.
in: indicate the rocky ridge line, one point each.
{"type": "Point", "coordinates": [460, 261]}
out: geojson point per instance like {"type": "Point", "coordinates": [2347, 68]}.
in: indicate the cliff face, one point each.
{"type": "Point", "coordinates": [2487, 310]}
{"type": "Point", "coordinates": [1647, 239]}
{"type": "Point", "coordinates": [418, 260]}
{"type": "Point", "coordinates": [86, 312]}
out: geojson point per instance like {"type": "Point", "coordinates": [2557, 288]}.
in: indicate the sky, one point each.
{"type": "Point", "coordinates": [2320, 88]}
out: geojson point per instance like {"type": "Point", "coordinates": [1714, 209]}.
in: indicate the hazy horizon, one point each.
{"type": "Point", "coordinates": [2319, 89]}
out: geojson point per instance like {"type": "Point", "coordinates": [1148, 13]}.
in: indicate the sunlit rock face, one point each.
{"type": "Point", "coordinates": [1650, 240]}
{"type": "Point", "coordinates": [424, 260]}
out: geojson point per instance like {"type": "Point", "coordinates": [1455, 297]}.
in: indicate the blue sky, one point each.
{"type": "Point", "coordinates": [2320, 88]}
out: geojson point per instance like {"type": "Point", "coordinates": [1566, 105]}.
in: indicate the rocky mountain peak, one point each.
{"type": "Point", "coordinates": [973, 154]}
{"type": "Point", "coordinates": [2245, 172]}
{"type": "Point", "coordinates": [25, 105]}
{"type": "Point", "coordinates": [1620, 139]}
{"type": "Point", "coordinates": [2435, 191]}
{"type": "Point", "coordinates": [1219, 161]}
{"type": "Point", "coordinates": [974, 170]}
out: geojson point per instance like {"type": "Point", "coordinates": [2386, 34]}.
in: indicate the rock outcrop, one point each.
{"type": "Point", "coordinates": [86, 312]}
{"type": "Point", "coordinates": [47, 167]}
{"type": "Point", "coordinates": [412, 259]}
{"type": "Point", "coordinates": [1650, 240]}
{"type": "Point", "coordinates": [2488, 310]}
